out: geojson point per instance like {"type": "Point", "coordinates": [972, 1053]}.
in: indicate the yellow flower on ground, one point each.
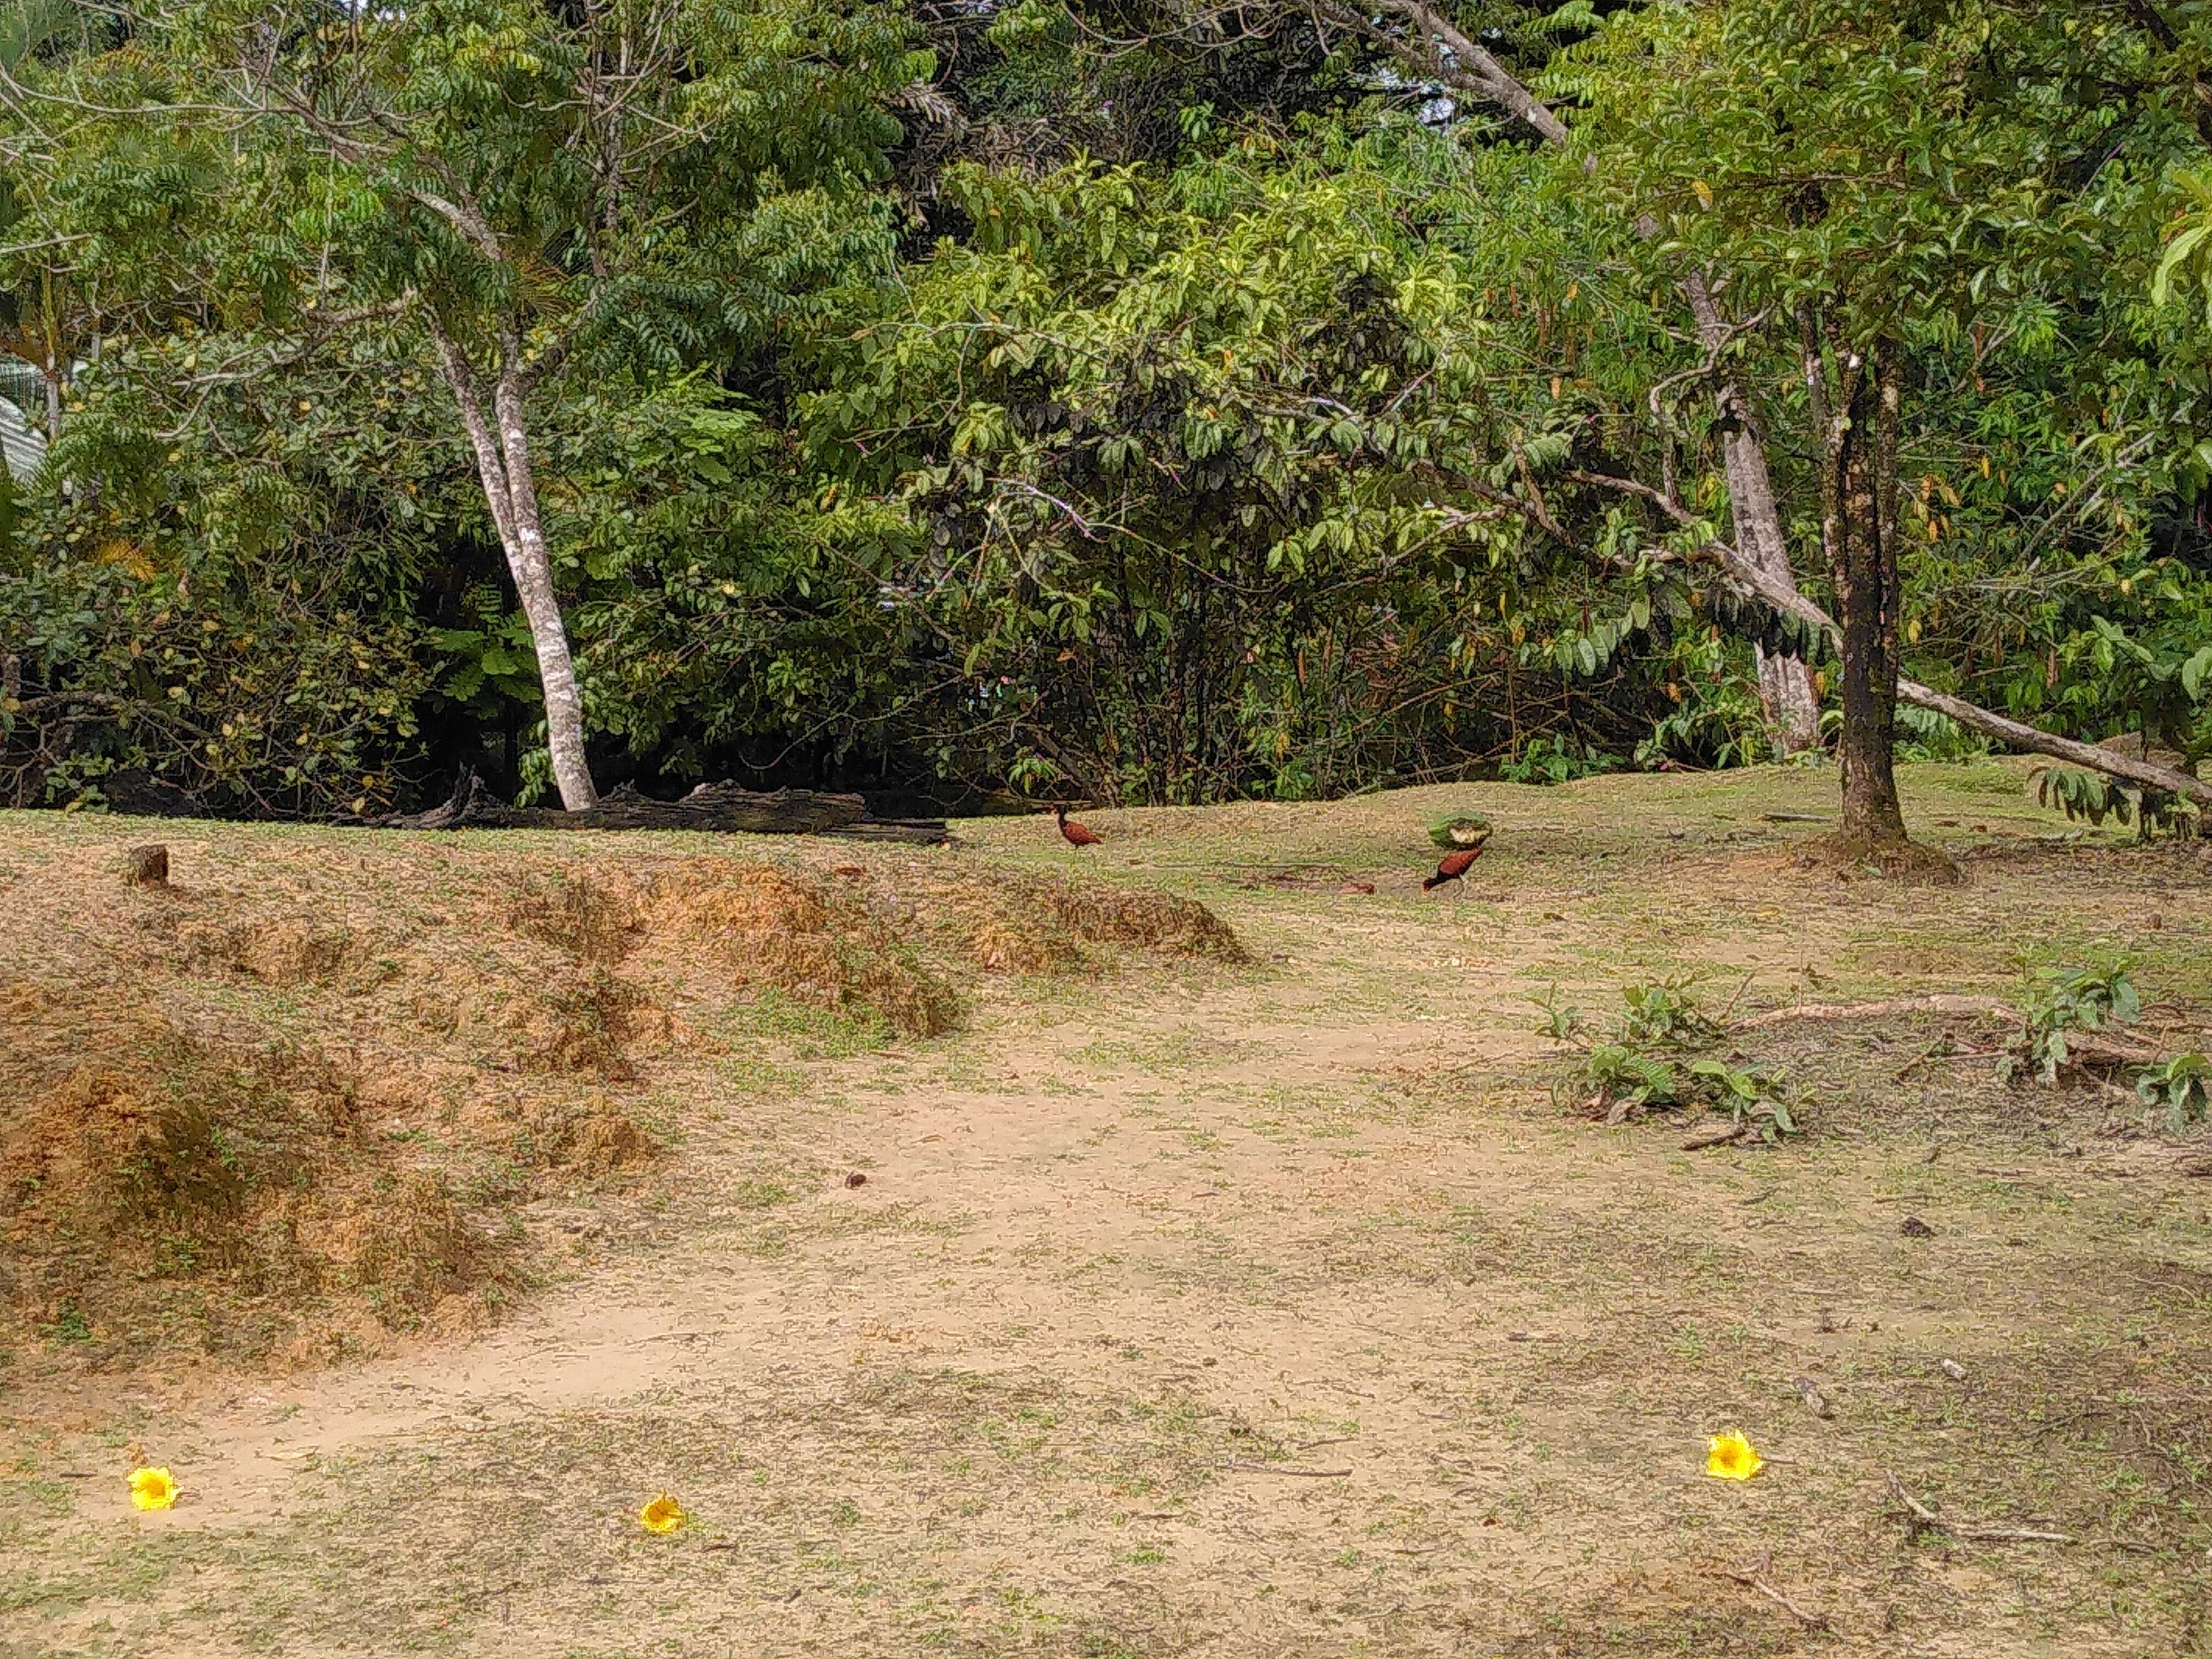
{"type": "Point", "coordinates": [152, 1489]}
{"type": "Point", "coordinates": [1730, 1457]}
{"type": "Point", "coordinates": [664, 1514]}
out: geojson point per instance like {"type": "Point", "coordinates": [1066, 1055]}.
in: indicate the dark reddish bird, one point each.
{"type": "Point", "coordinates": [1451, 867]}
{"type": "Point", "coordinates": [1076, 834]}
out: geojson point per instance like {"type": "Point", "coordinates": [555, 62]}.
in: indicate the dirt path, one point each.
{"type": "Point", "coordinates": [1281, 1310]}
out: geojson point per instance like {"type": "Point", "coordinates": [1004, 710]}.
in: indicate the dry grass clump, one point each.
{"type": "Point", "coordinates": [1145, 917]}
{"type": "Point", "coordinates": [1005, 948]}
{"type": "Point", "coordinates": [284, 952]}
{"type": "Point", "coordinates": [589, 1018]}
{"type": "Point", "coordinates": [154, 1179]}
{"type": "Point", "coordinates": [765, 926]}
{"type": "Point", "coordinates": [571, 912]}
{"type": "Point", "coordinates": [1032, 925]}
{"type": "Point", "coordinates": [407, 1245]}
{"type": "Point", "coordinates": [591, 1137]}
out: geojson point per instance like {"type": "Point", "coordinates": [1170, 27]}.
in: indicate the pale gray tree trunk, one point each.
{"type": "Point", "coordinates": [511, 492]}
{"type": "Point", "coordinates": [1786, 683]}
{"type": "Point", "coordinates": [1433, 44]}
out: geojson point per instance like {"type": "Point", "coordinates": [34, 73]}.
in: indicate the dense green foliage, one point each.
{"type": "Point", "coordinates": [1062, 397]}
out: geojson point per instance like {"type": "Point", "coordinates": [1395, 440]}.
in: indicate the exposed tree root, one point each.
{"type": "Point", "coordinates": [1905, 861]}
{"type": "Point", "coordinates": [1991, 1007]}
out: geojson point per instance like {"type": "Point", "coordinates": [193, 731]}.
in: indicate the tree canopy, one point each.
{"type": "Point", "coordinates": [1100, 400]}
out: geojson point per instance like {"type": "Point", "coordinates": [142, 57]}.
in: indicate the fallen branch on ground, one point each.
{"type": "Point", "coordinates": [1285, 1469]}
{"type": "Point", "coordinates": [1712, 1137]}
{"type": "Point", "coordinates": [2084, 1048]}
{"type": "Point", "coordinates": [1937, 1004]}
{"type": "Point", "coordinates": [1922, 1519]}
{"type": "Point", "coordinates": [722, 807]}
{"type": "Point", "coordinates": [1810, 1620]}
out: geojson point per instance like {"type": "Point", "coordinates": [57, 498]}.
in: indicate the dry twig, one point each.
{"type": "Point", "coordinates": [1810, 1620]}
{"type": "Point", "coordinates": [1922, 1519]}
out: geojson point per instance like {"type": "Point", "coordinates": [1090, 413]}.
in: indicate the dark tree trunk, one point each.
{"type": "Point", "coordinates": [1869, 596]}
{"type": "Point", "coordinates": [1857, 410]}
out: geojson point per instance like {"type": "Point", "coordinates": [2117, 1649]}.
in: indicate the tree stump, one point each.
{"type": "Point", "coordinates": [147, 865]}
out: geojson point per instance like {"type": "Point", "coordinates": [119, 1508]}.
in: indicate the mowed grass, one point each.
{"type": "Point", "coordinates": [1255, 1302]}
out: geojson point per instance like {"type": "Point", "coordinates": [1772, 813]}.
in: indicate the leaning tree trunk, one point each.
{"type": "Point", "coordinates": [1786, 695]}
{"type": "Point", "coordinates": [504, 465]}
{"type": "Point", "coordinates": [1427, 42]}
{"type": "Point", "coordinates": [564, 703]}
{"type": "Point", "coordinates": [1857, 410]}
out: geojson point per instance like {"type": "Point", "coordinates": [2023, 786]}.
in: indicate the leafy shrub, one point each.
{"type": "Point", "coordinates": [1624, 1077]}
{"type": "Point", "coordinates": [1667, 1012]}
{"type": "Point", "coordinates": [1560, 1023]}
{"type": "Point", "coordinates": [2095, 797]}
{"type": "Point", "coordinates": [1924, 735]}
{"type": "Point", "coordinates": [1556, 760]}
{"type": "Point", "coordinates": [1625, 1080]}
{"type": "Point", "coordinates": [2057, 1001]}
{"type": "Point", "coordinates": [1751, 1096]}
{"type": "Point", "coordinates": [2183, 1087]}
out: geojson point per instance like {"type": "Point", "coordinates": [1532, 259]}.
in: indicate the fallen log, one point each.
{"type": "Point", "coordinates": [723, 808]}
{"type": "Point", "coordinates": [2084, 1048]}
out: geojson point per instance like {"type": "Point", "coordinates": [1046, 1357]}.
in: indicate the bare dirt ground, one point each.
{"type": "Point", "coordinates": [1199, 1307]}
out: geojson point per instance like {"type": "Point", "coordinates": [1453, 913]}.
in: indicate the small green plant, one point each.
{"type": "Point", "coordinates": [2183, 1087]}
{"type": "Point", "coordinates": [1667, 1012]}
{"type": "Point", "coordinates": [1751, 1095]}
{"type": "Point", "coordinates": [1624, 1081]}
{"type": "Point", "coordinates": [2057, 1001]}
{"type": "Point", "coordinates": [1560, 1023]}
{"type": "Point", "coordinates": [69, 1325]}
{"type": "Point", "coordinates": [1624, 1077]}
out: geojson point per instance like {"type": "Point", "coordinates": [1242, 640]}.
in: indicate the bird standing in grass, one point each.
{"type": "Point", "coordinates": [1074, 834]}
{"type": "Point", "coordinates": [1450, 867]}
{"type": "Point", "coordinates": [1472, 835]}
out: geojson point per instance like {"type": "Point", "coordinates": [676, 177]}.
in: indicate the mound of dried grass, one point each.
{"type": "Point", "coordinates": [759, 924]}
{"type": "Point", "coordinates": [1042, 925]}
{"type": "Point", "coordinates": [182, 1183]}
{"type": "Point", "coordinates": [290, 1106]}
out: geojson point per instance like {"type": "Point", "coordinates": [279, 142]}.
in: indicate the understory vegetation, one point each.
{"type": "Point", "coordinates": [1098, 401]}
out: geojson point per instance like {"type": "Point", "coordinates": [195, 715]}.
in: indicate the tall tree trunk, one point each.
{"type": "Point", "coordinates": [56, 370]}
{"type": "Point", "coordinates": [510, 490]}
{"type": "Point", "coordinates": [1857, 410]}
{"type": "Point", "coordinates": [533, 580]}
{"type": "Point", "coordinates": [1786, 680]}
{"type": "Point", "coordinates": [1428, 42]}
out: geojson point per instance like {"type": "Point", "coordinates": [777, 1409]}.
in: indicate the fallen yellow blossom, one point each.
{"type": "Point", "coordinates": [152, 1489]}
{"type": "Point", "coordinates": [1730, 1457]}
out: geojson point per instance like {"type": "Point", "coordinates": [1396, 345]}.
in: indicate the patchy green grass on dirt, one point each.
{"type": "Point", "coordinates": [999, 1260]}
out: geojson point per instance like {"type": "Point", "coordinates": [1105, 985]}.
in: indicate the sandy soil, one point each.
{"type": "Point", "coordinates": [1284, 1308]}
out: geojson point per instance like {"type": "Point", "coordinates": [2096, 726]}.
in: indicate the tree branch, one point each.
{"type": "Point", "coordinates": [1782, 595]}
